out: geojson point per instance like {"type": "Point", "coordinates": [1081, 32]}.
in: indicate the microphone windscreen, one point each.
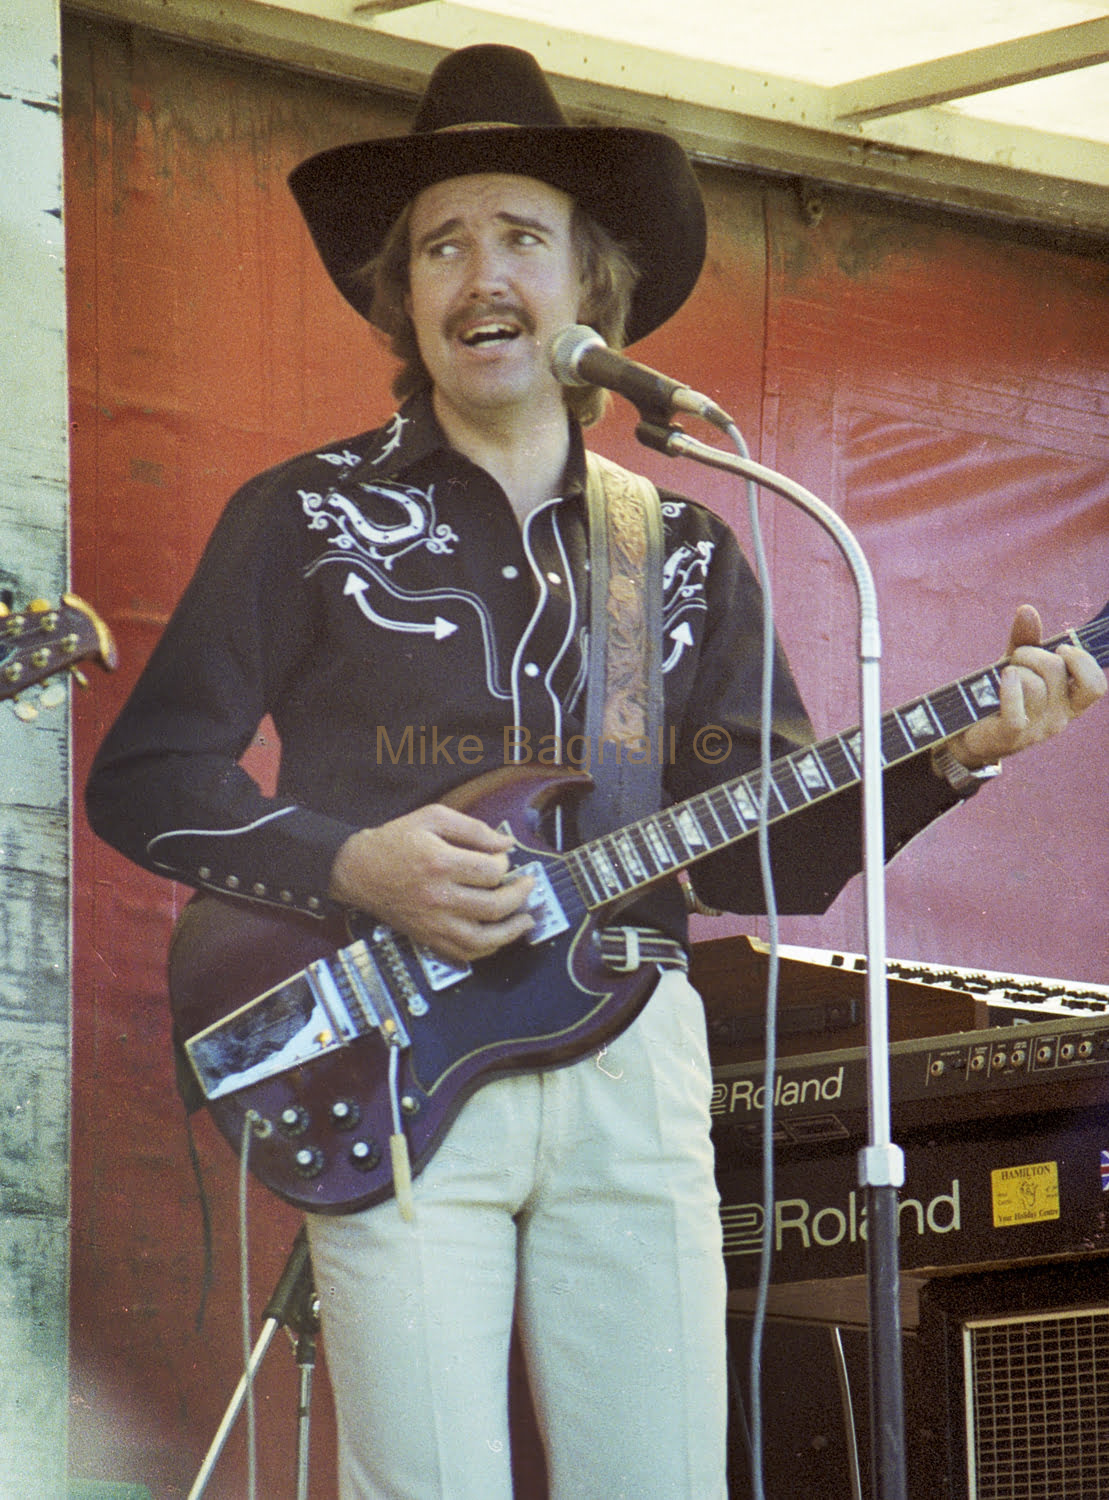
{"type": "Point", "coordinates": [566, 349]}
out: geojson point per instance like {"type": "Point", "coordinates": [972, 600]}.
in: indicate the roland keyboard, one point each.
{"type": "Point", "coordinates": [935, 1083]}
{"type": "Point", "coordinates": [1009, 996]}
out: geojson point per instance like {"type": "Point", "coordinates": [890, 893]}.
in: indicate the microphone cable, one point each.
{"type": "Point", "coordinates": [766, 871]}
{"type": "Point", "coordinates": [251, 1120]}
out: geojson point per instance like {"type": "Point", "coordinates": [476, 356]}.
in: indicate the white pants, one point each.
{"type": "Point", "coordinates": [583, 1201]}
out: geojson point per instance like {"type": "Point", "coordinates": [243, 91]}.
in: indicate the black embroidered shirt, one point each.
{"type": "Point", "coordinates": [379, 600]}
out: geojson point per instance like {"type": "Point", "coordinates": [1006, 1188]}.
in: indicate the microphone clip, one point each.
{"type": "Point", "coordinates": [658, 435]}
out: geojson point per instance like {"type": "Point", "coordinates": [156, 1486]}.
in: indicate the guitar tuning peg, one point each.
{"type": "Point", "coordinates": [39, 607]}
{"type": "Point", "coordinates": [52, 694]}
{"type": "Point", "coordinates": [79, 676]}
{"type": "Point", "coordinates": [24, 710]}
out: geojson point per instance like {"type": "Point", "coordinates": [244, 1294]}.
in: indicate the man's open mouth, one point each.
{"type": "Point", "coordinates": [483, 334]}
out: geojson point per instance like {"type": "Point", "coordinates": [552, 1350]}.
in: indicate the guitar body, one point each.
{"type": "Point", "coordinates": [322, 1143]}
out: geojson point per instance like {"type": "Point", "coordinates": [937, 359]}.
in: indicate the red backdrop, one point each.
{"type": "Point", "coordinates": [947, 389]}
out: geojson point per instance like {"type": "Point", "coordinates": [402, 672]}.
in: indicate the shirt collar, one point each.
{"type": "Point", "coordinates": [413, 434]}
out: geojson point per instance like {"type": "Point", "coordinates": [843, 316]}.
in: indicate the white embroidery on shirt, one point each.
{"type": "Point", "coordinates": [375, 538]}
{"type": "Point", "coordinates": [683, 590]}
{"type": "Point", "coordinates": [436, 602]}
{"type": "Point", "coordinates": [524, 643]}
{"type": "Point", "coordinates": [344, 460]}
{"type": "Point", "coordinates": [219, 833]}
{"type": "Point", "coordinates": [395, 429]}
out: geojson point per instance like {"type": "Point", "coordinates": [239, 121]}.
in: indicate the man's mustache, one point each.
{"type": "Point", "coordinates": [489, 312]}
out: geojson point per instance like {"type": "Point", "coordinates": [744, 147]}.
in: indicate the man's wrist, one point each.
{"type": "Point", "coordinates": [347, 868]}
{"type": "Point", "coordinates": [959, 777]}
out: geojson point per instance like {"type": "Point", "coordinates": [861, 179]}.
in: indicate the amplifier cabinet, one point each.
{"type": "Point", "coordinates": [1006, 1391]}
{"type": "Point", "coordinates": [1015, 1384]}
{"type": "Point", "coordinates": [1006, 1141]}
{"type": "Point", "coordinates": [1004, 1254]}
{"type": "Point", "coordinates": [992, 1193]}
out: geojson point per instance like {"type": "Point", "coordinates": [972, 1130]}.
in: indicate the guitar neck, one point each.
{"type": "Point", "coordinates": [617, 864]}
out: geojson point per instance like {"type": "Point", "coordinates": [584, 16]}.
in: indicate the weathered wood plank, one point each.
{"type": "Point", "coordinates": [34, 773]}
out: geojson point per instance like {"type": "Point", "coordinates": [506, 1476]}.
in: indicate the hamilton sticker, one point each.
{"type": "Point", "coordinates": [1025, 1194]}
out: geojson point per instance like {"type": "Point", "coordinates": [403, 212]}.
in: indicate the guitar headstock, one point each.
{"type": "Point", "coordinates": [45, 639]}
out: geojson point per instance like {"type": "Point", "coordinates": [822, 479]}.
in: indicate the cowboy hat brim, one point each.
{"type": "Point", "coordinates": [637, 184]}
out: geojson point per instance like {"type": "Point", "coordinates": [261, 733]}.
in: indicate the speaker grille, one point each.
{"type": "Point", "coordinates": [1038, 1406]}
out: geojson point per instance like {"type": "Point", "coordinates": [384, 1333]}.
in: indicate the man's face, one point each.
{"type": "Point", "coordinates": [493, 275]}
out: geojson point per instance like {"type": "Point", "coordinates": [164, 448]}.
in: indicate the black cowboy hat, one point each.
{"type": "Point", "coordinates": [490, 109]}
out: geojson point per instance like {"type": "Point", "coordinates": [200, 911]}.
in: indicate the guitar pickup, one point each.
{"type": "Point", "coordinates": [544, 906]}
{"type": "Point", "coordinates": [287, 1026]}
{"type": "Point", "coordinates": [440, 973]}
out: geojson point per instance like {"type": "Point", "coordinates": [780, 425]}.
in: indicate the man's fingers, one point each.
{"type": "Point", "coordinates": [490, 906]}
{"type": "Point", "coordinates": [1013, 704]}
{"type": "Point", "coordinates": [469, 867]}
{"type": "Point", "coordinates": [1041, 691]}
{"type": "Point", "coordinates": [453, 847]}
{"type": "Point", "coordinates": [440, 876]}
{"type": "Point", "coordinates": [1027, 629]}
{"type": "Point", "coordinates": [464, 943]}
{"type": "Point", "coordinates": [1086, 682]}
{"type": "Point", "coordinates": [465, 832]}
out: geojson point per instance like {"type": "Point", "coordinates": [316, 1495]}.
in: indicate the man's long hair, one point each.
{"type": "Point", "coordinates": [608, 273]}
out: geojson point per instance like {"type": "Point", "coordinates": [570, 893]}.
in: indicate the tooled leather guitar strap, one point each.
{"type": "Point", "coordinates": [623, 715]}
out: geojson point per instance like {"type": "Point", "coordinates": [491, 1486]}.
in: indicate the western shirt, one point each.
{"type": "Point", "coordinates": [378, 599]}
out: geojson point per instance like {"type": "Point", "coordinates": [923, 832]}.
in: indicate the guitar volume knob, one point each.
{"type": "Point", "coordinates": [293, 1120]}
{"type": "Point", "coordinates": [365, 1155]}
{"type": "Point", "coordinates": [308, 1161]}
{"type": "Point", "coordinates": [345, 1114]}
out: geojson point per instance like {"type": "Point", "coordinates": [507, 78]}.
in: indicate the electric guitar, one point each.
{"type": "Point", "coordinates": [317, 1045]}
{"type": "Point", "coordinates": [46, 639]}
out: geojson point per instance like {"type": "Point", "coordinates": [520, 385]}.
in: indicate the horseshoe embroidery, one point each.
{"type": "Point", "coordinates": [381, 540]}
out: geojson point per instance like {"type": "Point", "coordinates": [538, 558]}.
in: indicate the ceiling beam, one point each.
{"type": "Point", "coordinates": [368, 8]}
{"type": "Point", "coordinates": [722, 115]}
{"type": "Point", "coordinates": [979, 71]}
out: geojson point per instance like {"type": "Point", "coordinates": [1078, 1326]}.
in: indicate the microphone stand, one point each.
{"type": "Point", "coordinates": [293, 1305]}
{"type": "Point", "coordinates": [881, 1163]}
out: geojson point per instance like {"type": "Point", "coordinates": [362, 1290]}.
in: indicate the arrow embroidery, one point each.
{"type": "Point", "coordinates": [440, 628]}
{"type": "Point", "coordinates": [682, 637]}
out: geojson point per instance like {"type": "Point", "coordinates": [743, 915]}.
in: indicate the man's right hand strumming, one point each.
{"type": "Point", "coordinates": [440, 877]}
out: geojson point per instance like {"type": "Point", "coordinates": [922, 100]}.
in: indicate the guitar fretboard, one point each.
{"type": "Point", "coordinates": [617, 864]}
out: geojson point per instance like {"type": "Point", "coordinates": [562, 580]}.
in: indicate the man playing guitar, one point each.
{"type": "Point", "coordinates": [408, 605]}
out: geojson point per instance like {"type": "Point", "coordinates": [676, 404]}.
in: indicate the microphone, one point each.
{"type": "Point", "coordinates": [580, 356]}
